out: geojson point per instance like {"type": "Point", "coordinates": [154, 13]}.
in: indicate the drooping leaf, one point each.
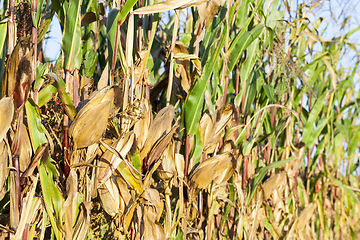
{"type": "Point", "coordinates": [167, 6]}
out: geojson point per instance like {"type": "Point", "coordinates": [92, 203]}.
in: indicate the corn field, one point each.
{"type": "Point", "coordinates": [180, 119]}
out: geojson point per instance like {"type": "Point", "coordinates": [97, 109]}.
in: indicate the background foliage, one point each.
{"type": "Point", "coordinates": [178, 119]}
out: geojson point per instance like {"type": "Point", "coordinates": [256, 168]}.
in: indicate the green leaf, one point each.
{"type": "Point", "coordinates": [126, 9]}
{"type": "Point", "coordinates": [41, 69]}
{"type": "Point", "coordinates": [47, 93]}
{"type": "Point", "coordinates": [90, 63]}
{"type": "Point", "coordinates": [308, 131]}
{"type": "Point", "coordinates": [71, 42]}
{"type": "Point", "coordinates": [3, 34]}
{"type": "Point", "coordinates": [52, 197]}
{"type": "Point", "coordinates": [112, 28]}
{"type": "Point", "coordinates": [316, 133]}
{"type": "Point", "coordinates": [348, 190]}
{"type": "Point", "coordinates": [60, 8]}
{"type": "Point", "coordinates": [242, 14]}
{"type": "Point", "coordinates": [36, 131]}
{"type": "Point", "coordinates": [135, 159]}
{"type": "Point", "coordinates": [269, 91]}
{"type": "Point", "coordinates": [64, 97]}
{"type": "Point", "coordinates": [38, 12]}
{"type": "Point", "coordinates": [133, 180]}
{"type": "Point", "coordinates": [270, 228]}
{"type": "Point", "coordinates": [116, 16]}
{"type": "Point", "coordinates": [198, 147]}
{"type": "Point", "coordinates": [195, 99]}
{"type": "Point", "coordinates": [240, 43]}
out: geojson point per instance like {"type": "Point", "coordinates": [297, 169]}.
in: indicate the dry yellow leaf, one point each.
{"type": "Point", "coordinates": [305, 215]}
{"type": "Point", "coordinates": [272, 183]}
{"type": "Point", "coordinates": [4, 158]}
{"type": "Point", "coordinates": [218, 169]}
{"type": "Point", "coordinates": [141, 127]}
{"type": "Point", "coordinates": [122, 146]}
{"type": "Point", "coordinates": [110, 196]}
{"type": "Point", "coordinates": [6, 116]}
{"type": "Point", "coordinates": [160, 127]}
{"type": "Point", "coordinates": [167, 6]}
{"type": "Point", "coordinates": [88, 127]}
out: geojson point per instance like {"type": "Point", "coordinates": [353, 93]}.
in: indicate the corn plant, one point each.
{"type": "Point", "coordinates": [189, 119]}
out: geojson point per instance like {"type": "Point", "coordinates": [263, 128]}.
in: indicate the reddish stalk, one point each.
{"type": "Point", "coordinates": [298, 130]}
{"type": "Point", "coordinates": [225, 78]}
{"type": "Point", "coordinates": [76, 88]}
{"type": "Point", "coordinates": [237, 112]}
{"type": "Point", "coordinates": [150, 26]}
{"type": "Point", "coordinates": [66, 146]}
{"type": "Point", "coordinates": [225, 90]}
{"type": "Point", "coordinates": [69, 89]}
{"type": "Point", "coordinates": [243, 99]}
{"type": "Point", "coordinates": [307, 172]}
{"type": "Point", "coordinates": [244, 172]}
{"type": "Point", "coordinates": [114, 54]}
{"type": "Point", "coordinates": [268, 151]}
{"type": "Point", "coordinates": [17, 179]}
{"type": "Point", "coordinates": [145, 165]}
{"type": "Point", "coordinates": [16, 150]}
{"type": "Point", "coordinates": [25, 235]}
{"type": "Point", "coordinates": [273, 116]}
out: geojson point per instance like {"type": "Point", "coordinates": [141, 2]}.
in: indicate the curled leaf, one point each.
{"type": "Point", "coordinates": [110, 93]}
{"type": "Point", "coordinates": [207, 11]}
{"type": "Point", "coordinates": [110, 197]}
{"type": "Point", "coordinates": [272, 183]}
{"type": "Point", "coordinates": [88, 127]}
{"type": "Point", "coordinates": [160, 127]}
{"type": "Point", "coordinates": [167, 168]}
{"type": "Point", "coordinates": [218, 169]}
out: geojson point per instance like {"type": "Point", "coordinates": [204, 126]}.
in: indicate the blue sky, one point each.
{"type": "Point", "coordinates": [350, 8]}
